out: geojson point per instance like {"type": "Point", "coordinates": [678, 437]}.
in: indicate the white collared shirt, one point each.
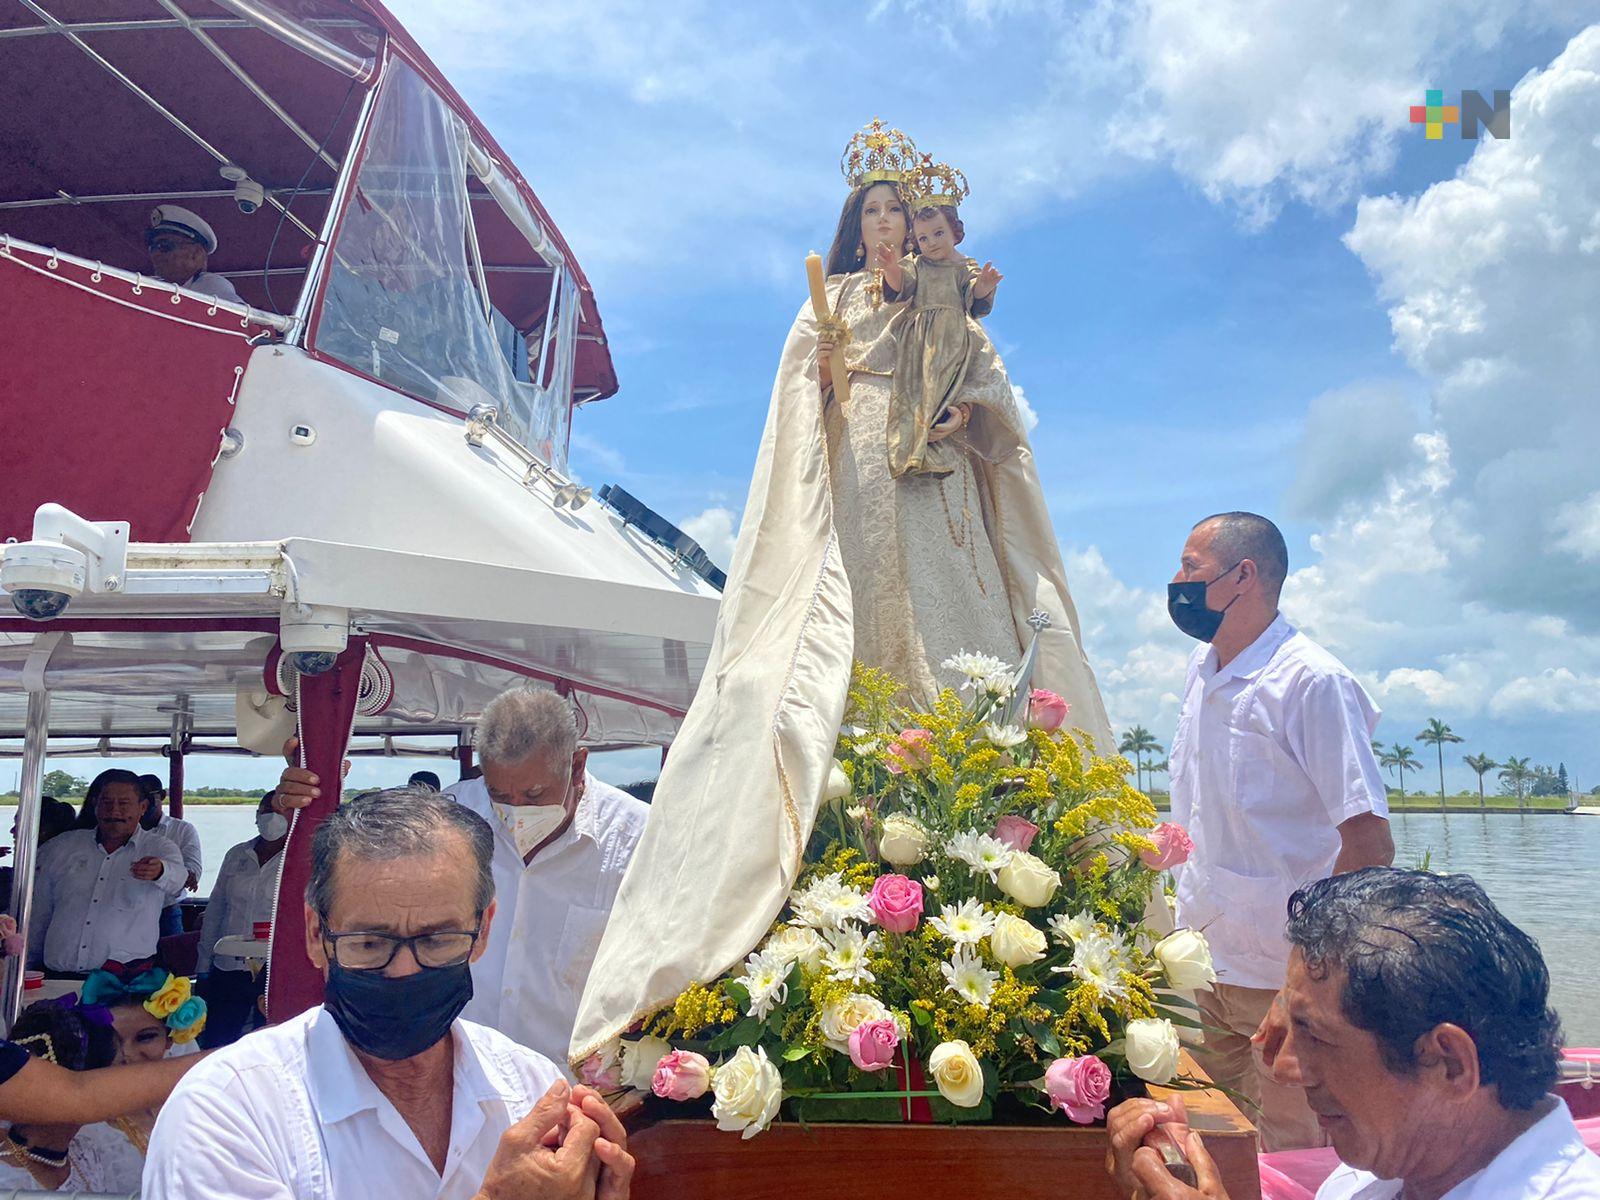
{"type": "Point", "coordinates": [1273, 752]}
{"type": "Point", "coordinates": [209, 283]}
{"type": "Point", "coordinates": [1548, 1161]}
{"type": "Point", "coordinates": [551, 914]}
{"type": "Point", "coordinates": [242, 895]}
{"type": "Point", "coordinates": [87, 906]}
{"type": "Point", "coordinates": [186, 838]}
{"type": "Point", "coordinates": [290, 1112]}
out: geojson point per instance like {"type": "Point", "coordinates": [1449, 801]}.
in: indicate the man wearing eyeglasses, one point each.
{"type": "Point", "coordinates": [383, 1090]}
{"type": "Point", "coordinates": [180, 243]}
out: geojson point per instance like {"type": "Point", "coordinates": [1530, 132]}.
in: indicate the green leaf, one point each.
{"type": "Point", "coordinates": [921, 1016]}
{"type": "Point", "coordinates": [795, 1053]}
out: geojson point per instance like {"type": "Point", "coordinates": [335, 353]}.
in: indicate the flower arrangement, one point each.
{"type": "Point", "coordinates": [970, 913]}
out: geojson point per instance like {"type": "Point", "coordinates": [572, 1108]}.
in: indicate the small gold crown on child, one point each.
{"type": "Point", "coordinates": [932, 184]}
{"type": "Point", "coordinates": [878, 154]}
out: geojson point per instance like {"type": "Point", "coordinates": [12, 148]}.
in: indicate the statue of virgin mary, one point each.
{"type": "Point", "coordinates": [837, 560]}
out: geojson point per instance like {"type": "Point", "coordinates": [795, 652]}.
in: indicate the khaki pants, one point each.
{"type": "Point", "coordinates": [1279, 1110]}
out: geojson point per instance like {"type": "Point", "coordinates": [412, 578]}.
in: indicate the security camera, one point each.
{"type": "Point", "coordinates": [66, 557]}
{"type": "Point", "coordinates": [313, 635]}
{"type": "Point", "coordinates": [247, 193]}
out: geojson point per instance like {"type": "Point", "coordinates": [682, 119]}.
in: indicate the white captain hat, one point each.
{"type": "Point", "coordinates": [174, 218]}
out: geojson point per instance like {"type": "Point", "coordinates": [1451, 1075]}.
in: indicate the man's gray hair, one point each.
{"type": "Point", "coordinates": [523, 722]}
{"type": "Point", "coordinates": [1237, 536]}
{"type": "Point", "coordinates": [402, 822]}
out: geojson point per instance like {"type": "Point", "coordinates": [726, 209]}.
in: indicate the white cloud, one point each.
{"type": "Point", "coordinates": [597, 452]}
{"type": "Point", "coordinates": [717, 530]}
{"type": "Point", "coordinates": [1030, 419]}
{"type": "Point", "coordinates": [1352, 440]}
{"type": "Point", "coordinates": [1578, 524]}
{"type": "Point", "coordinates": [1557, 690]}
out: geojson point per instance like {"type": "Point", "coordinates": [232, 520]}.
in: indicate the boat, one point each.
{"type": "Point", "coordinates": [339, 505]}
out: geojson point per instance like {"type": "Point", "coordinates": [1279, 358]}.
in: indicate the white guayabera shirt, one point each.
{"type": "Point", "coordinates": [289, 1113]}
{"type": "Point", "coordinates": [1273, 753]}
{"type": "Point", "coordinates": [242, 895]}
{"type": "Point", "coordinates": [551, 914]}
{"type": "Point", "coordinates": [186, 838]}
{"type": "Point", "coordinates": [1548, 1162]}
{"type": "Point", "coordinates": [88, 907]}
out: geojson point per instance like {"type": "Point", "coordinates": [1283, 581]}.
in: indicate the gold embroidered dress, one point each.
{"type": "Point", "coordinates": [937, 339]}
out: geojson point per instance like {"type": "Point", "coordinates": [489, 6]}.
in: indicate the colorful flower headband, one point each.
{"type": "Point", "coordinates": [162, 993]}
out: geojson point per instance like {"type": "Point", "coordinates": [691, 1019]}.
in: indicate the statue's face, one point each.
{"type": "Point", "coordinates": [883, 218]}
{"type": "Point", "coordinates": [935, 239]}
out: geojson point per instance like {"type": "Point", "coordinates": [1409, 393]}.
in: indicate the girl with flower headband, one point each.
{"type": "Point", "coordinates": [151, 1009]}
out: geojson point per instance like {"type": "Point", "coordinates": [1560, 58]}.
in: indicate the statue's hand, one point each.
{"type": "Point", "coordinates": [953, 419]}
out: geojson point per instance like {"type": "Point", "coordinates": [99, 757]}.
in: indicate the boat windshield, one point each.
{"type": "Point", "coordinates": [410, 300]}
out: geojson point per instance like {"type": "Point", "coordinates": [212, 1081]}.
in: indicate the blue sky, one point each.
{"type": "Point", "coordinates": [1236, 277]}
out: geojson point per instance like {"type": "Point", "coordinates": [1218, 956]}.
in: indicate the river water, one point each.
{"type": "Point", "coordinates": [1536, 868]}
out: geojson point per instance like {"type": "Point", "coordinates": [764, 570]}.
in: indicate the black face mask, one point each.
{"type": "Point", "coordinates": [394, 1017]}
{"type": "Point", "coordinates": [1186, 605]}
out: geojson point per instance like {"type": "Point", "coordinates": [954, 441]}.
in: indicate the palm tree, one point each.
{"type": "Point", "coordinates": [1138, 742]}
{"type": "Point", "coordinates": [1436, 735]}
{"type": "Point", "coordinates": [1482, 764]}
{"type": "Point", "coordinates": [1400, 759]}
{"type": "Point", "coordinates": [1516, 772]}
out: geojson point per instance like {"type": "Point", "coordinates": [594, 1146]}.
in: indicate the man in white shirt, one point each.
{"type": "Point", "coordinates": [1419, 1025]}
{"type": "Point", "coordinates": [244, 893]}
{"type": "Point", "coordinates": [181, 834]}
{"type": "Point", "coordinates": [383, 1090]}
{"type": "Point", "coordinates": [1273, 775]}
{"type": "Point", "coordinates": [562, 842]}
{"type": "Point", "coordinates": [180, 242]}
{"type": "Point", "coordinates": [98, 893]}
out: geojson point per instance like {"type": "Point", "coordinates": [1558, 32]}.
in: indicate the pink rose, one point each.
{"type": "Point", "coordinates": [911, 751]}
{"type": "Point", "coordinates": [1016, 832]}
{"type": "Point", "coordinates": [681, 1075]}
{"type": "Point", "coordinates": [896, 902]}
{"type": "Point", "coordinates": [1079, 1087]}
{"type": "Point", "coordinates": [1173, 847]}
{"type": "Point", "coordinates": [1046, 710]}
{"type": "Point", "coordinates": [873, 1043]}
{"type": "Point", "coordinates": [603, 1072]}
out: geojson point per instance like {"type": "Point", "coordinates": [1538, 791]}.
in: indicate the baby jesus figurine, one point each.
{"type": "Point", "coordinates": [936, 337]}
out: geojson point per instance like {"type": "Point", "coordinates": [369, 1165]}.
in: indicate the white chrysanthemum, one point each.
{"type": "Point", "coordinates": [765, 977]}
{"type": "Point", "coordinates": [999, 685]}
{"type": "Point", "coordinates": [846, 956]}
{"type": "Point", "coordinates": [986, 855]}
{"type": "Point", "coordinates": [967, 977]}
{"type": "Point", "coordinates": [798, 943]}
{"type": "Point", "coordinates": [975, 667]}
{"type": "Point", "coordinates": [870, 746]}
{"type": "Point", "coordinates": [1073, 929]}
{"type": "Point", "coordinates": [964, 923]}
{"type": "Point", "coordinates": [1004, 737]}
{"type": "Point", "coordinates": [931, 884]}
{"type": "Point", "coordinates": [1101, 960]}
{"type": "Point", "coordinates": [856, 812]}
{"type": "Point", "coordinates": [828, 903]}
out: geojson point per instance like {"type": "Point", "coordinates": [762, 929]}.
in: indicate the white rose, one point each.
{"type": "Point", "coordinates": [838, 785]}
{"type": "Point", "coordinates": [956, 1072]}
{"type": "Point", "coordinates": [1186, 959]}
{"type": "Point", "coordinates": [801, 944]}
{"type": "Point", "coordinates": [1016, 942]}
{"type": "Point", "coordinates": [1152, 1049]}
{"type": "Point", "coordinates": [1027, 880]}
{"type": "Point", "coordinates": [901, 841]}
{"type": "Point", "coordinates": [839, 1020]}
{"type": "Point", "coordinates": [748, 1090]}
{"type": "Point", "coordinates": [639, 1059]}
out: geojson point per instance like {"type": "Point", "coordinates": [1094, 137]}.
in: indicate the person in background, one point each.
{"type": "Point", "coordinates": [425, 779]}
{"type": "Point", "coordinates": [562, 840]}
{"type": "Point", "coordinates": [383, 1089]}
{"type": "Point", "coordinates": [1274, 778]}
{"type": "Point", "coordinates": [1418, 1022]}
{"type": "Point", "coordinates": [98, 894]}
{"type": "Point", "coordinates": [181, 834]}
{"type": "Point", "coordinates": [244, 893]}
{"type": "Point", "coordinates": [55, 817]}
{"type": "Point", "coordinates": [180, 244]}
{"type": "Point", "coordinates": [44, 1156]}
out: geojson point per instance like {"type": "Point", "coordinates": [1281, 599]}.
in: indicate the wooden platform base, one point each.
{"type": "Point", "coordinates": [693, 1160]}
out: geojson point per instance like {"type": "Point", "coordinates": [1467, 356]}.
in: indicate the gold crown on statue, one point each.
{"type": "Point", "coordinates": [930, 184]}
{"type": "Point", "coordinates": [878, 154]}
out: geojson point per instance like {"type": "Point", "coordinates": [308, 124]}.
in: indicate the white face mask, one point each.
{"type": "Point", "coordinates": [271, 825]}
{"type": "Point", "coordinates": [530, 824]}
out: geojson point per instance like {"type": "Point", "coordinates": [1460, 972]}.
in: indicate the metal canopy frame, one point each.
{"type": "Point", "coordinates": [62, 197]}
{"type": "Point", "coordinates": [157, 24]}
